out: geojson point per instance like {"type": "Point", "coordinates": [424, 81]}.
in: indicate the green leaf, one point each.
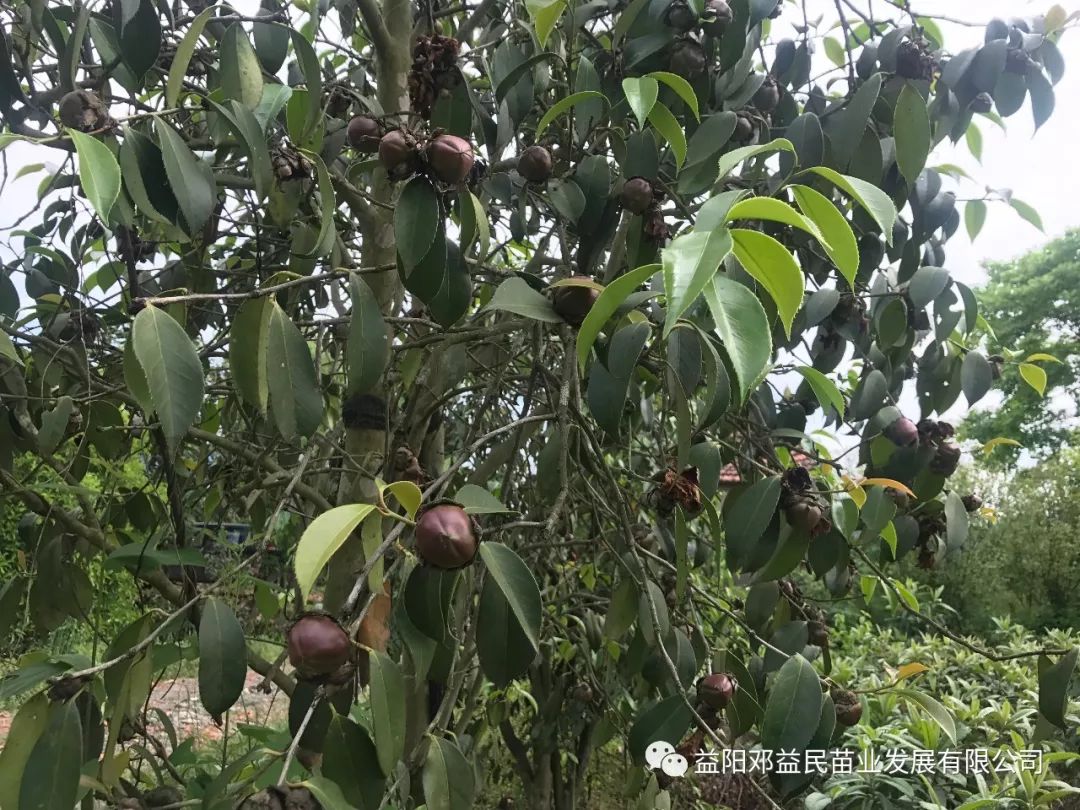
{"type": "Point", "coordinates": [478, 501]}
{"type": "Point", "coordinates": [622, 611]}
{"type": "Point", "coordinates": [241, 73]}
{"type": "Point", "coordinates": [564, 104]}
{"type": "Point", "coordinates": [324, 243]}
{"type": "Point", "coordinates": [729, 161]}
{"type": "Point", "coordinates": [956, 520]}
{"type": "Point", "coordinates": [912, 131]}
{"type": "Point", "coordinates": [191, 180]}
{"type": "Point", "coordinates": [368, 349]}
{"type": "Point", "coordinates": [515, 295]}
{"type": "Point", "coordinates": [249, 342]}
{"type": "Point", "coordinates": [775, 210]}
{"type": "Point", "coordinates": [250, 131]}
{"type": "Point", "coordinates": [322, 538]}
{"type": "Point", "coordinates": [222, 657]}
{"type": "Point", "coordinates": [681, 87]}
{"type": "Point", "coordinates": [26, 728]}
{"type": "Point", "coordinates": [350, 761]}
{"type": "Point", "coordinates": [775, 268]}
{"type": "Point", "coordinates": [665, 721]}
{"type": "Point", "coordinates": [939, 713]}
{"type": "Point", "coordinates": [1027, 213]}
{"type": "Point", "coordinates": [973, 138]}
{"type": "Point", "coordinates": [135, 379]}
{"type": "Point", "coordinates": [609, 300]}
{"type": "Point", "coordinates": [309, 66]}
{"type": "Point", "coordinates": [386, 694]}
{"type": "Point", "coordinates": [744, 329]}
{"type": "Point", "coordinates": [475, 226]}
{"type": "Point", "coordinates": [853, 120]}
{"type": "Point", "coordinates": [51, 778]}
{"type": "Point", "coordinates": [295, 397]}
{"type": "Point", "coordinates": [927, 284]}
{"type": "Point", "coordinates": [174, 373]}
{"type": "Point", "coordinates": [641, 94]}
{"type": "Point", "coordinates": [271, 39]}
{"type": "Point", "coordinates": [748, 514]}
{"type": "Point", "coordinates": [793, 708]}
{"type": "Point", "coordinates": [668, 125]}
{"type": "Point", "coordinates": [1035, 377]}
{"type": "Point", "coordinates": [689, 264]}
{"type": "Point", "coordinates": [448, 779]}
{"type": "Point", "coordinates": [840, 245]}
{"type": "Point", "coordinates": [976, 376]}
{"type": "Point", "coordinates": [99, 173]}
{"type": "Point", "coordinates": [875, 201]}
{"type": "Point", "coordinates": [504, 649]}
{"type": "Point", "coordinates": [182, 57]}
{"type": "Point", "coordinates": [7, 349]}
{"type": "Point", "coordinates": [416, 221]}
{"type": "Point", "coordinates": [328, 795]}
{"type": "Point", "coordinates": [144, 176]}
{"type": "Point", "coordinates": [824, 389]}
{"type": "Point", "coordinates": [545, 16]}
{"type": "Point", "coordinates": [1054, 677]}
{"type": "Point", "coordinates": [974, 217]}
{"type": "Point", "coordinates": [517, 585]}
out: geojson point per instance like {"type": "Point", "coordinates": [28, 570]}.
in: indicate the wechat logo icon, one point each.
{"type": "Point", "coordinates": [663, 756]}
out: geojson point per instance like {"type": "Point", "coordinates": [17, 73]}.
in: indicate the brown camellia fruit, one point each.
{"type": "Point", "coordinates": [804, 516]}
{"type": "Point", "coordinates": [818, 633]}
{"type": "Point", "coordinates": [450, 158]}
{"type": "Point", "coordinates": [688, 59]}
{"type": "Point", "coordinates": [574, 301]}
{"type": "Point", "coordinates": [680, 16]}
{"type": "Point", "coordinates": [972, 502]}
{"type": "Point", "coordinates": [767, 96]}
{"type": "Point", "coordinates": [636, 195]}
{"type": "Point", "coordinates": [534, 164]}
{"type": "Point", "coordinates": [848, 714]}
{"type": "Point", "coordinates": [716, 690]}
{"type": "Point", "coordinates": [318, 645]}
{"type": "Point", "coordinates": [446, 537]}
{"type": "Point", "coordinates": [397, 153]}
{"type": "Point", "coordinates": [364, 134]}
{"type": "Point", "coordinates": [718, 16]}
{"type": "Point", "coordinates": [902, 432]}
{"type": "Point", "coordinates": [946, 460]}
{"type": "Point", "coordinates": [744, 128]}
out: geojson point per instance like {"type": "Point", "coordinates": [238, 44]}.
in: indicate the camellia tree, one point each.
{"type": "Point", "coordinates": [483, 297]}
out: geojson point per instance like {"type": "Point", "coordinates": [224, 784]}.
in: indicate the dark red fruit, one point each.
{"type": "Point", "coordinates": [364, 134]}
{"type": "Point", "coordinates": [902, 432]}
{"type": "Point", "coordinates": [534, 164]}
{"type": "Point", "coordinates": [767, 96]}
{"type": "Point", "coordinates": [318, 645]}
{"type": "Point", "coordinates": [848, 714]}
{"type": "Point", "coordinates": [716, 690]}
{"type": "Point", "coordinates": [397, 153]}
{"type": "Point", "coordinates": [972, 502]}
{"type": "Point", "coordinates": [818, 633]}
{"type": "Point", "coordinates": [574, 301]}
{"type": "Point", "coordinates": [446, 537]}
{"type": "Point", "coordinates": [636, 195]}
{"type": "Point", "coordinates": [718, 16]}
{"type": "Point", "coordinates": [450, 158]}
{"type": "Point", "coordinates": [744, 128]}
{"type": "Point", "coordinates": [680, 16]}
{"type": "Point", "coordinates": [687, 59]}
{"type": "Point", "coordinates": [946, 460]}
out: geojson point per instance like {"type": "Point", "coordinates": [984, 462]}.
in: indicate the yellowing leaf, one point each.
{"type": "Point", "coordinates": [1041, 356]}
{"type": "Point", "coordinates": [911, 670]}
{"type": "Point", "coordinates": [988, 448]}
{"type": "Point", "coordinates": [322, 538]}
{"type": "Point", "coordinates": [1035, 377]}
{"type": "Point", "coordinates": [886, 482]}
{"type": "Point", "coordinates": [857, 493]}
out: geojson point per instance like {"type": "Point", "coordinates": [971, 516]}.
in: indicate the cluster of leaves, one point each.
{"type": "Point", "coordinates": [278, 322]}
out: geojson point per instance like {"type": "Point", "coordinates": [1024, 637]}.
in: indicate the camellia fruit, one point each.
{"type": "Point", "coordinates": [804, 516]}
{"type": "Point", "coordinates": [397, 153]}
{"type": "Point", "coordinates": [902, 432]}
{"type": "Point", "coordinates": [446, 537]}
{"type": "Point", "coordinates": [718, 16]}
{"type": "Point", "coordinates": [535, 164]}
{"type": "Point", "coordinates": [450, 158]}
{"type": "Point", "coordinates": [636, 195]}
{"type": "Point", "coordinates": [318, 645]}
{"type": "Point", "coordinates": [364, 134]}
{"type": "Point", "coordinates": [848, 714]}
{"type": "Point", "coordinates": [573, 301]}
{"type": "Point", "coordinates": [716, 690]}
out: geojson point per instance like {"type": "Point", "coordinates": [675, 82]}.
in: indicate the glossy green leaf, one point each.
{"type": "Point", "coordinates": [324, 536]}
{"type": "Point", "coordinates": [744, 329]}
{"type": "Point", "coordinates": [853, 121]}
{"type": "Point", "coordinates": [478, 501]}
{"type": "Point", "coordinates": [27, 726]}
{"type": "Point", "coordinates": [664, 721]}
{"type": "Point", "coordinates": [937, 712]}
{"type": "Point", "coordinates": [1034, 376]}
{"type": "Point", "coordinates": [515, 295]}
{"type": "Point", "coordinates": [241, 73]}
{"type": "Point", "coordinates": [174, 373]}
{"type": "Point", "coordinates": [144, 176]}
{"type": "Point", "coordinates": [641, 94]}
{"type": "Point", "coordinates": [222, 657]}
{"type": "Point", "coordinates": [182, 58]}
{"type": "Point", "coordinates": [729, 161]}
{"type": "Point", "coordinates": [99, 173]}
{"type": "Point", "coordinates": [689, 264]}
{"type": "Point", "coordinates": [912, 131]}
{"type": "Point", "coordinates": [565, 104]}
{"type": "Point", "coordinates": [1054, 678]}
{"type": "Point", "coordinates": [974, 217]}
{"type": "Point", "coordinates": [350, 760]}
{"type": "Point", "coordinates": [669, 127]}
{"type": "Point", "coordinates": [271, 39]}
{"type": "Point", "coordinates": [606, 304]}
{"type": "Point", "coordinates": [191, 180]}
{"type": "Point", "coordinates": [517, 585]}
{"type": "Point", "coordinates": [386, 695]}
{"type": "Point", "coordinates": [249, 344]}
{"type": "Point", "coordinates": [681, 87]}
{"type": "Point", "coordinates": [825, 390]}
{"type": "Point", "coordinates": [295, 396]}
{"type": "Point", "coordinates": [976, 376]}
{"type": "Point", "coordinates": [324, 243]}
{"type": "Point", "coordinates": [416, 221]}
{"type": "Point", "coordinates": [368, 349]}
{"type": "Point", "coordinates": [504, 649]}
{"type": "Point", "coordinates": [793, 707]}
{"type": "Point", "coordinates": [775, 269]}
{"type": "Point", "coordinates": [545, 16]}
{"type": "Point", "coordinates": [875, 201]}
{"type": "Point", "coordinates": [840, 243]}
{"type": "Point", "coordinates": [51, 778]}
{"type": "Point", "coordinates": [1027, 213]}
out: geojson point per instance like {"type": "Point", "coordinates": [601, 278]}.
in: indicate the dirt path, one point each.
{"type": "Point", "coordinates": [179, 699]}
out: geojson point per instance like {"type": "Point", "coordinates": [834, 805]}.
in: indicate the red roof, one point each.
{"type": "Point", "coordinates": [730, 475]}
